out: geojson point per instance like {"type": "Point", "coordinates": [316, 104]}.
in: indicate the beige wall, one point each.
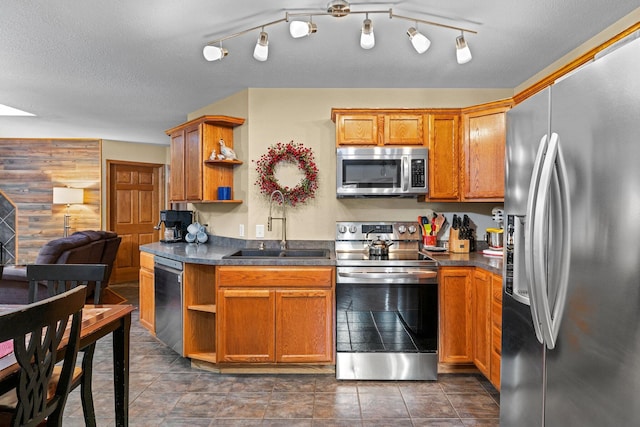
{"type": "Point", "coordinates": [304, 116]}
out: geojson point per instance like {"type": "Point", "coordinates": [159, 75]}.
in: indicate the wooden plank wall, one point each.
{"type": "Point", "coordinates": [30, 168]}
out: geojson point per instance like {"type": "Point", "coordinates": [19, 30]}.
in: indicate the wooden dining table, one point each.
{"type": "Point", "coordinates": [97, 322]}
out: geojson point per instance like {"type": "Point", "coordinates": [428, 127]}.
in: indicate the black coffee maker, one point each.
{"type": "Point", "coordinates": [175, 225]}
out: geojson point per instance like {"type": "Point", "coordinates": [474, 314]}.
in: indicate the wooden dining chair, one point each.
{"type": "Point", "coordinates": [59, 278]}
{"type": "Point", "coordinates": [37, 331]}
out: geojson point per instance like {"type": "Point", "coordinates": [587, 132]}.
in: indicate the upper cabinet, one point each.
{"type": "Point", "coordinates": [195, 178]}
{"type": "Point", "coordinates": [466, 146]}
{"type": "Point", "coordinates": [379, 127]}
{"type": "Point", "coordinates": [483, 151]}
{"type": "Point", "coordinates": [466, 154]}
{"type": "Point", "coordinates": [444, 156]}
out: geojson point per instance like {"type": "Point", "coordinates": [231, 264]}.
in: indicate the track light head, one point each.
{"type": "Point", "coordinates": [299, 29]}
{"type": "Point", "coordinates": [463, 53]}
{"type": "Point", "coordinates": [214, 53]}
{"type": "Point", "coordinates": [367, 40]}
{"type": "Point", "coordinates": [261, 51]}
{"type": "Point", "coordinates": [419, 41]}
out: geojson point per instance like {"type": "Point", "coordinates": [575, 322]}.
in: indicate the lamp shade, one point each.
{"type": "Point", "coordinates": [67, 196]}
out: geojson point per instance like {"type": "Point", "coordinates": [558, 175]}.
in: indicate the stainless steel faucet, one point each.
{"type": "Point", "coordinates": [283, 241]}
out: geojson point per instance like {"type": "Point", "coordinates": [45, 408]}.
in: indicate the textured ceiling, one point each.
{"type": "Point", "coordinates": [129, 69]}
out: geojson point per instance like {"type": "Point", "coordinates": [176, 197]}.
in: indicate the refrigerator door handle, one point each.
{"type": "Point", "coordinates": [530, 221]}
{"type": "Point", "coordinates": [550, 322]}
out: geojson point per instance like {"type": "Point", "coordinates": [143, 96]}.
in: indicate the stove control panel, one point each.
{"type": "Point", "coordinates": [359, 231]}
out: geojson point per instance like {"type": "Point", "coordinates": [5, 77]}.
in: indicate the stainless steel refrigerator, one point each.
{"type": "Point", "coordinates": [571, 303]}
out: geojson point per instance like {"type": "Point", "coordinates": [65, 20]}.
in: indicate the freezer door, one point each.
{"type": "Point", "coordinates": [526, 125]}
{"type": "Point", "coordinates": [522, 366]}
{"type": "Point", "coordinates": [593, 374]}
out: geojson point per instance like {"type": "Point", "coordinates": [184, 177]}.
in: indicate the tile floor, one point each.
{"type": "Point", "coordinates": [166, 391]}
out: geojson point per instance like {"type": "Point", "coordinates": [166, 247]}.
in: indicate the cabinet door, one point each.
{"type": "Point", "coordinates": [496, 330]}
{"type": "Point", "coordinates": [455, 315]}
{"type": "Point", "coordinates": [444, 157]}
{"type": "Point", "coordinates": [246, 325]}
{"type": "Point", "coordinates": [482, 294]}
{"type": "Point", "coordinates": [357, 129]}
{"type": "Point", "coordinates": [484, 151]}
{"type": "Point", "coordinates": [304, 326]}
{"type": "Point", "coordinates": [146, 289]}
{"type": "Point", "coordinates": [176, 182]}
{"type": "Point", "coordinates": [404, 129]}
{"type": "Point", "coordinates": [193, 163]}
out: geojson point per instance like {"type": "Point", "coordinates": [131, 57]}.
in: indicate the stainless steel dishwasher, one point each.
{"type": "Point", "coordinates": [168, 302]}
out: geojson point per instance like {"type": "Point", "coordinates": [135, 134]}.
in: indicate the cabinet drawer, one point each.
{"type": "Point", "coordinates": [271, 276]}
{"type": "Point", "coordinates": [496, 313]}
{"type": "Point", "coordinates": [496, 340]}
{"type": "Point", "coordinates": [146, 260]}
{"type": "Point", "coordinates": [497, 293]}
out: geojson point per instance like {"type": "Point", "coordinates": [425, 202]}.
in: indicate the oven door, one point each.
{"type": "Point", "coordinates": [386, 323]}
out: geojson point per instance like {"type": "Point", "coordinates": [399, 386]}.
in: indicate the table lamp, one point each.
{"type": "Point", "coordinates": [67, 196]}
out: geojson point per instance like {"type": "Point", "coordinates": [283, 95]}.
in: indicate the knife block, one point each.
{"type": "Point", "coordinates": [456, 244]}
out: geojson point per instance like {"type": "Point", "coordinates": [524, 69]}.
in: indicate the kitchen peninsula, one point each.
{"type": "Point", "coordinates": [287, 290]}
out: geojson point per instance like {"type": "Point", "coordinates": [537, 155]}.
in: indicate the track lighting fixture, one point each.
{"type": "Point", "coordinates": [214, 51]}
{"type": "Point", "coordinates": [261, 52]}
{"type": "Point", "coordinates": [367, 41]}
{"type": "Point", "coordinates": [419, 41]}
{"type": "Point", "coordinates": [299, 29]}
{"type": "Point", "coordinates": [463, 54]}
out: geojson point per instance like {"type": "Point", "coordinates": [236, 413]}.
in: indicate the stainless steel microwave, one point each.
{"type": "Point", "coordinates": [381, 171]}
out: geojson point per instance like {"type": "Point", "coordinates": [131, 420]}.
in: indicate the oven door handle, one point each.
{"type": "Point", "coordinates": [410, 274]}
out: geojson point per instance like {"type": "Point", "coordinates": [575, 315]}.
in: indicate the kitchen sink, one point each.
{"type": "Point", "coordinates": [278, 253]}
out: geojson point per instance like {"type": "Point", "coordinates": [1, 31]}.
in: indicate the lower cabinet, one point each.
{"type": "Point", "coordinates": [275, 314]}
{"type": "Point", "coordinates": [146, 290]}
{"type": "Point", "coordinates": [482, 320]}
{"type": "Point", "coordinates": [455, 315]}
{"type": "Point", "coordinates": [496, 330]}
{"type": "Point", "coordinates": [471, 319]}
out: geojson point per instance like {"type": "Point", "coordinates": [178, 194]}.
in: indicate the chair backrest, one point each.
{"type": "Point", "coordinates": [62, 277]}
{"type": "Point", "coordinates": [37, 331]}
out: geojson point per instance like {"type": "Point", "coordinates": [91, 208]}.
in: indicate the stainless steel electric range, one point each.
{"type": "Point", "coordinates": [386, 303]}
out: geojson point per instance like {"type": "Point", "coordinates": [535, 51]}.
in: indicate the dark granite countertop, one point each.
{"type": "Point", "coordinates": [216, 248]}
{"type": "Point", "coordinates": [472, 259]}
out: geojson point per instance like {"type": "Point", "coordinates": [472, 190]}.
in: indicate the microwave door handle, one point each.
{"type": "Point", "coordinates": [405, 173]}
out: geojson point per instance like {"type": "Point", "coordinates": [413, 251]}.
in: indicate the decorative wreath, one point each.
{"type": "Point", "coordinates": [295, 153]}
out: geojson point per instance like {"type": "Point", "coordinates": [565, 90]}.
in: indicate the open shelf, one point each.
{"type": "Point", "coordinates": [208, 308]}
{"type": "Point", "coordinates": [223, 162]}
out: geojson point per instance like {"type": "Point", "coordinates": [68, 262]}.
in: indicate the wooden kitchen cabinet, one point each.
{"type": "Point", "coordinates": [483, 154]}
{"type": "Point", "coordinates": [195, 178]}
{"type": "Point", "coordinates": [199, 312]}
{"type": "Point", "coordinates": [482, 294]}
{"type": "Point", "coordinates": [404, 129]}
{"type": "Point", "coordinates": [356, 129]}
{"type": "Point", "coordinates": [444, 157]}
{"type": "Point", "coordinates": [380, 127]}
{"type": "Point", "coordinates": [246, 331]}
{"type": "Point", "coordinates": [496, 329]}
{"type": "Point", "coordinates": [146, 290]}
{"type": "Point", "coordinates": [456, 327]}
{"type": "Point", "coordinates": [275, 314]}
